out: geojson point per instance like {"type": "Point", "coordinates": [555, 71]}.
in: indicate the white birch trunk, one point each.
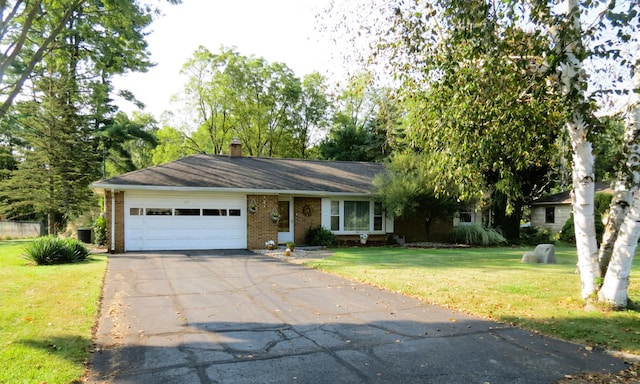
{"type": "Point", "coordinates": [616, 279]}
{"type": "Point", "coordinates": [572, 79]}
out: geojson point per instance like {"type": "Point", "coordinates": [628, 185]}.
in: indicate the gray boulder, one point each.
{"type": "Point", "coordinates": [546, 253]}
{"type": "Point", "coordinates": [529, 258]}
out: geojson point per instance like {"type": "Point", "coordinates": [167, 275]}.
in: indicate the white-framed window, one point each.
{"type": "Point", "coordinates": [355, 216]}
{"type": "Point", "coordinates": [466, 217]}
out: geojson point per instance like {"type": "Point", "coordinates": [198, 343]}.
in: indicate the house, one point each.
{"type": "Point", "coordinates": [236, 202]}
{"type": "Point", "coordinates": [553, 211]}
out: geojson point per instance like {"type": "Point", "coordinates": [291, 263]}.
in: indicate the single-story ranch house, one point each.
{"type": "Point", "coordinates": [236, 202]}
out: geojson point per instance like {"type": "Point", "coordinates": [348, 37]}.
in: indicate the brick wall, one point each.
{"type": "Point", "coordinates": [302, 222]}
{"type": "Point", "coordinates": [260, 228]}
{"type": "Point", "coordinates": [119, 221]}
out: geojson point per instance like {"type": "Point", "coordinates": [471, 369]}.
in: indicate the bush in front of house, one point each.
{"type": "Point", "coordinates": [50, 250]}
{"type": "Point", "coordinates": [100, 230]}
{"type": "Point", "coordinates": [476, 234]}
{"type": "Point", "coordinates": [568, 233]}
{"type": "Point", "coordinates": [320, 236]}
{"type": "Point", "coordinates": [535, 236]}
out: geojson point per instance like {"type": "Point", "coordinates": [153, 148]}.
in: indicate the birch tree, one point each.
{"type": "Point", "coordinates": [579, 36]}
{"type": "Point", "coordinates": [625, 224]}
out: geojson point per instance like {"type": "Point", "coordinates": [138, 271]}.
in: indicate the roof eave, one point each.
{"type": "Point", "coordinates": [99, 188]}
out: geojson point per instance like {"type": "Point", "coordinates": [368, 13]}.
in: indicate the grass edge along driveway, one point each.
{"type": "Point", "coordinates": [494, 284]}
{"type": "Point", "coordinates": [47, 314]}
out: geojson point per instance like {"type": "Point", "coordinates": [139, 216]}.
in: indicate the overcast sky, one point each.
{"type": "Point", "coordinates": [278, 30]}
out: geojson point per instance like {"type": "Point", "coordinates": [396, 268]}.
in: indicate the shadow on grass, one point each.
{"type": "Point", "coordinates": [72, 348]}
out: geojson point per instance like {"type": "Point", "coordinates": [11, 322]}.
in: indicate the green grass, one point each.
{"type": "Point", "coordinates": [46, 316]}
{"type": "Point", "coordinates": [492, 283]}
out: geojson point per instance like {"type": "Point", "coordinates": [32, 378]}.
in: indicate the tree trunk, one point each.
{"type": "Point", "coordinates": [618, 268]}
{"type": "Point", "coordinates": [573, 82]}
{"type": "Point", "coordinates": [616, 281]}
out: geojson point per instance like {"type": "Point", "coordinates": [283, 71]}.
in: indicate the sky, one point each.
{"type": "Point", "coordinates": [277, 30]}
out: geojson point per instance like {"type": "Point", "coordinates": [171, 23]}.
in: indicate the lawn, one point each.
{"type": "Point", "coordinates": [493, 283]}
{"type": "Point", "coordinates": [46, 316]}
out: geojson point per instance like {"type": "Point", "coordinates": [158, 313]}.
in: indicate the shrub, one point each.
{"type": "Point", "coordinates": [535, 236]}
{"type": "Point", "coordinates": [100, 230]}
{"type": "Point", "coordinates": [51, 250]}
{"type": "Point", "coordinates": [78, 250]}
{"type": "Point", "coordinates": [320, 236]}
{"type": "Point", "coordinates": [477, 235]}
{"type": "Point", "coordinates": [568, 233]}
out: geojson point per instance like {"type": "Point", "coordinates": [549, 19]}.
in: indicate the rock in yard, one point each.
{"type": "Point", "coordinates": [529, 258]}
{"type": "Point", "coordinates": [546, 253]}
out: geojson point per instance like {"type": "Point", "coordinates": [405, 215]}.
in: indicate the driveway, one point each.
{"type": "Point", "coordinates": [238, 317]}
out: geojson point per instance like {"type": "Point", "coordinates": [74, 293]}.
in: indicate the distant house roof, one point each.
{"type": "Point", "coordinates": [565, 197]}
{"type": "Point", "coordinates": [218, 172]}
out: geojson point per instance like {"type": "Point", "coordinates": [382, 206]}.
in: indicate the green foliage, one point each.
{"type": "Point", "coordinates": [602, 202]}
{"type": "Point", "coordinates": [363, 124]}
{"type": "Point", "coordinates": [476, 234]}
{"type": "Point", "coordinates": [568, 232]}
{"type": "Point", "coordinates": [262, 104]}
{"type": "Point", "coordinates": [320, 236]}
{"type": "Point", "coordinates": [535, 236]}
{"type": "Point", "coordinates": [291, 245]}
{"type": "Point", "coordinates": [100, 230]}
{"type": "Point", "coordinates": [50, 250]}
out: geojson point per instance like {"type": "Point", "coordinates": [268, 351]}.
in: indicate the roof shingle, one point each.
{"type": "Point", "coordinates": [246, 173]}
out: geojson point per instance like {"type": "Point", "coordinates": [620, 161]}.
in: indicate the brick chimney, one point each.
{"type": "Point", "coordinates": [235, 149]}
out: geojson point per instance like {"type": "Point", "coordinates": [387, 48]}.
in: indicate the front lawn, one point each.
{"type": "Point", "coordinates": [492, 283]}
{"type": "Point", "coordinates": [46, 316]}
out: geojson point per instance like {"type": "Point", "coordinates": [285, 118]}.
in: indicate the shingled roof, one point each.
{"type": "Point", "coordinates": [565, 197]}
{"type": "Point", "coordinates": [218, 172]}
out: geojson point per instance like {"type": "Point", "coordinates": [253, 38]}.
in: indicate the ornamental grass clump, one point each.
{"type": "Point", "coordinates": [477, 235]}
{"type": "Point", "coordinates": [50, 250]}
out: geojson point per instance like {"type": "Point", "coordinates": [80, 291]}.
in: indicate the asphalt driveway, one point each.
{"type": "Point", "coordinates": [238, 317]}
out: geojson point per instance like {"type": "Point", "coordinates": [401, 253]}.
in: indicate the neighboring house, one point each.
{"type": "Point", "coordinates": [553, 211]}
{"type": "Point", "coordinates": [231, 202]}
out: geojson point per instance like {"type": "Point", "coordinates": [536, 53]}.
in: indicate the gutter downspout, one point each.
{"type": "Point", "coordinates": [113, 220]}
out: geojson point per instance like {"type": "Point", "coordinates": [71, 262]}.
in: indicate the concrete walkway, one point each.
{"type": "Point", "coordinates": [238, 317]}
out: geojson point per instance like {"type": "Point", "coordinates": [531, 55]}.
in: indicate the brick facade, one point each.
{"type": "Point", "coordinates": [260, 227]}
{"type": "Point", "coordinates": [307, 213]}
{"type": "Point", "coordinates": [119, 221]}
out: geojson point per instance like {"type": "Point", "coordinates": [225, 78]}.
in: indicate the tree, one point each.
{"type": "Point", "coordinates": [29, 30]}
{"type": "Point", "coordinates": [560, 45]}
{"type": "Point", "coordinates": [127, 144]}
{"type": "Point", "coordinates": [409, 185]}
{"type": "Point", "coordinates": [67, 110]}
{"type": "Point", "coordinates": [248, 98]}
{"type": "Point", "coordinates": [362, 124]}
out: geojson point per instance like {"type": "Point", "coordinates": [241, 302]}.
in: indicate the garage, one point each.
{"type": "Point", "coordinates": [179, 221]}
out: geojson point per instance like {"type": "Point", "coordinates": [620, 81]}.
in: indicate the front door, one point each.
{"type": "Point", "coordinates": [285, 225]}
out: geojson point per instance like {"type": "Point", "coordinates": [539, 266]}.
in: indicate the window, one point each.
{"type": "Point", "coordinates": [550, 215]}
{"type": "Point", "coordinates": [356, 215]}
{"type": "Point", "coordinates": [187, 212]}
{"type": "Point", "coordinates": [214, 212]}
{"type": "Point", "coordinates": [466, 217]}
{"type": "Point", "coordinates": [136, 211]}
{"type": "Point", "coordinates": [283, 209]}
{"type": "Point", "coordinates": [335, 215]}
{"type": "Point", "coordinates": [377, 216]}
{"type": "Point", "coordinates": [234, 212]}
{"type": "Point", "coordinates": [158, 212]}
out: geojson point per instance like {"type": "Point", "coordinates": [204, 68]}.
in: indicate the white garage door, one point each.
{"type": "Point", "coordinates": [187, 220]}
